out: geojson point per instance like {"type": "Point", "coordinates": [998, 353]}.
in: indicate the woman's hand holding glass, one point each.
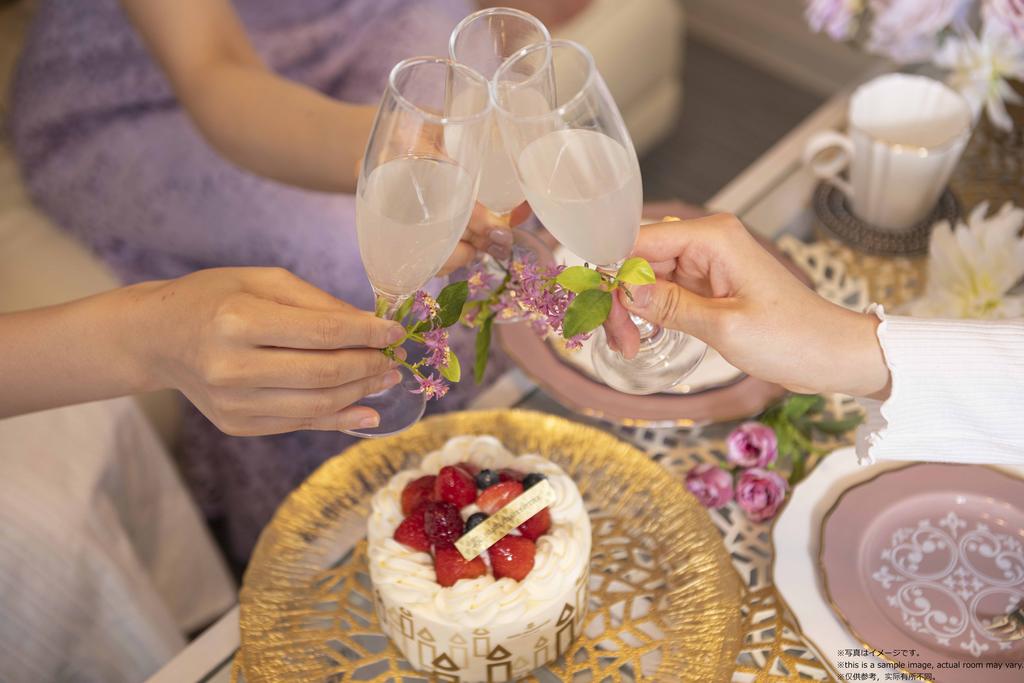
{"type": "Point", "coordinates": [257, 350]}
{"type": "Point", "coordinates": [260, 351]}
{"type": "Point", "coordinates": [717, 283]}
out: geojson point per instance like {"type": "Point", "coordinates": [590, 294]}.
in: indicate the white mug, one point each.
{"type": "Point", "coordinates": [905, 136]}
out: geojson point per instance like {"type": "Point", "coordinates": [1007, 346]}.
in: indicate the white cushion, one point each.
{"type": "Point", "coordinates": [41, 265]}
{"type": "Point", "coordinates": [638, 48]}
{"type": "Point", "coordinates": [651, 117]}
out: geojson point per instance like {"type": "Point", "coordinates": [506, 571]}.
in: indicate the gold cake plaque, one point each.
{"type": "Point", "coordinates": [495, 527]}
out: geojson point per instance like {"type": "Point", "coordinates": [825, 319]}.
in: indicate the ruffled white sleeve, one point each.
{"type": "Point", "coordinates": [957, 392]}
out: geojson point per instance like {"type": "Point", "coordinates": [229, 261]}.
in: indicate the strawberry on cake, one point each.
{"type": "Point", "coordinates": [516, 606]}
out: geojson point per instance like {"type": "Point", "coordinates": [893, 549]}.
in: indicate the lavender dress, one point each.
{"type": "Point", "coordinates": [109, 154]}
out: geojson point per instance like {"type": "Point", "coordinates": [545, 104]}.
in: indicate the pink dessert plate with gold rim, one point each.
{"type": "Point", "coordinates": [723, 394]}
{"type": "Point", "coordinates": [918, 561]}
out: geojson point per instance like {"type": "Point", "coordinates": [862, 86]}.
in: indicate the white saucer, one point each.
{"type": "Point", "coordinates": [795, 536]}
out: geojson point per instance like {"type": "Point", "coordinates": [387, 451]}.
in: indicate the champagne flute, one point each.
{"type": "Point", "coordinates": [416, 190]}
{"type": "Point", "coordinates": [483, 41]}
{"type": "Point", "coordinates": [578, 169]}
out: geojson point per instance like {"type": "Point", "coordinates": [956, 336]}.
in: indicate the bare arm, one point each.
{"type": "Point", "coordinates": [266, 123]}
{"type": "Point", "coordinates": [70, 353]}
{"type": "Point", "coordinates": [257, 119]}
{"type": "Point", "coordinates": [257, 350]}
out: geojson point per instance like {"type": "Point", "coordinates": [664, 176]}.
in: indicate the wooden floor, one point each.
{"type": "Point", "coordinates": [732, 112]}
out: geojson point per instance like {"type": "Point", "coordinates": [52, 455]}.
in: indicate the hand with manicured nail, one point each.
{"type": "Point", "coordinates": [272, 353]}
{"type": "Point", "coordinates": [486, 233]}
{"type": "Point", "coordinates": [257, 350]}
{"type": "Point", "coordinates": [717, 283]}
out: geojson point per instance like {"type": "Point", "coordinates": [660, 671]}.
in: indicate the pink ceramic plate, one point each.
{"type": "Point", "coordinates": [577, 392]}
{"type": "Point", "coordinates": [921, 559]}
{"type": "Point", "coordinates": [572, 388]}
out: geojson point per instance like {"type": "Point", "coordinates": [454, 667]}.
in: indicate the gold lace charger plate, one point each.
{"type": "Point", "coordinates": [664, 600]}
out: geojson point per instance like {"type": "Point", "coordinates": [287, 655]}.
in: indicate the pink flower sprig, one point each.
{"type": "Point", "coordinates": [426, 320]}
{"type": "Point", "coordinates": [570, 302]}
{"type": "Point", "coordinates": [754, 451]}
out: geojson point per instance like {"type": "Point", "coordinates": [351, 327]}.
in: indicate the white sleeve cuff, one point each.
{"type": "Point", "coordinates": [957, 392]}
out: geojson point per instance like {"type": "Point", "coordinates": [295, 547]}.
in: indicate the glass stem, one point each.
{"type": "Point", "coordinates": [649, 332]}
{"type": "Point", "coordinates": [388, 304]}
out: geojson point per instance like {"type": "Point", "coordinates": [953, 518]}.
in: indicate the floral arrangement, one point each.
{"type": "Point", "coordinates": [571, 302]}
{"type": "Point", "coordinates": [782, 437]}
{"type": "Point", "coordinates": [973, 267]}
{"type": "Point", "coordinates": [426, 320]}
{"type": "Point", "coordinates": [980, 42]}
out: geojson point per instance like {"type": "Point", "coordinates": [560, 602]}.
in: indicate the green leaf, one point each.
{"type": "Point", "coordinates": [792, 444]}
{"type": "Point", "coordinates": [636, 271]}
{"type": "Point", "coordinates": [802, 442]}
{"type": "Point", "coordinates": [404, 309]}
{"type": "Point", "coordinates": [450, 302]}
{"type": "Point", "coordinates": [772, 415]}
{"type": "Point", "coordinates": [586, 312]}
{"type": "Point", "coordinates": [785, 435]}
{"type": "Point", "coordinates": [801, 404]}
{"type": "Point", "coordinates": [579, 279]}
{"type": "Point", "coordinates": [452, 371]}
{"type": "Point", "coordinates": [798, 472]}
{"type": "Point", "coordinates": [483, 348]}
{"type": "Point", "coordinates": [838, 427]}
{"type": "Point", "coordinates": [469, 309]}
{"type": "Point", "coordinates": [803, 425]}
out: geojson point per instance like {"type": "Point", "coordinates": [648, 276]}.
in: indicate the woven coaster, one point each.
{"type": "Point", "coordinates": [838, 222]}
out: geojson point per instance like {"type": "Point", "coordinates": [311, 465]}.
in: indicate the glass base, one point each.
{"type": "Point", "coordinates": [664, 360]}
{"type": "Point", "coordinates": [399, 408]}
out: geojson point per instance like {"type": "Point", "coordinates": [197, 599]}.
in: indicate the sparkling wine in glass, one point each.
{"type": "Point", "coordinates": [483, 41]}
{"type": "Point", "coordinates": [578, 169]}
{"type": "Point", "coordinates": [416, 190]}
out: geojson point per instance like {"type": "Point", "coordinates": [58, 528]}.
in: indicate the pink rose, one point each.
{"type": "Point", "coordinates": [711, 484]}
{"type": "Point", "coordinates": [908, 30]}
{"type": "Point", "coordinates": [837, 18]}
{"type": "Point", "coordinates": [760, 493]}
{"type": "Point", "coordinates": [752, 444]}
{"type": "Point", "coordinates": [1007, 15]}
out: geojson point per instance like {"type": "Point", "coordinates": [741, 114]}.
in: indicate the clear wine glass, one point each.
{"type": "Point", "coordinates": [416, 190]}
{"type": "Point", "coordinates": [483, 41]}
{"type": "Point", "coordinates": [578, 169]}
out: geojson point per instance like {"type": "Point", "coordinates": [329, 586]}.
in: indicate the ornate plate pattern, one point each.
{"type": "Point", "coordinates": [947, 579]}
{"type": "Point", "coordinates": [665, 600]}
{"type": "Point", "coordinates": [922, 558]}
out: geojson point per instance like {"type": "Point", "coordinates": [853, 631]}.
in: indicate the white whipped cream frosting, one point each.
{"type": "Point", "coordinates": [406, 577]}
